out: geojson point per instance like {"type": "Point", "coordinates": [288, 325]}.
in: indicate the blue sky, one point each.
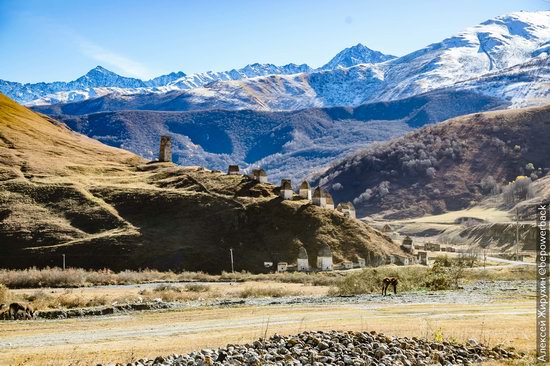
{"type": "Point", "coordinates": [48, 40]}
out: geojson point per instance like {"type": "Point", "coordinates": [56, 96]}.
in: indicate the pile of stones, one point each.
{"type": "Point", "coordinates": [338, 348]}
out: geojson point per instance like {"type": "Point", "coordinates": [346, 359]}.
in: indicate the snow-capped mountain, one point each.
{"type": "Point", "coordinates": [100, 81]}
{"type": "Point", "coordinates": [97, 82]}
{"type": "Point", "coordinates": [510, 51]}
{"type": "Point", "coordinates": [249, 71]}
{"type": "Point", "coordinates": [493, 50]}
{"type": "Point", "coordinates": [358, 54]}
{"type": "Point", "coordinates": [523, 85]}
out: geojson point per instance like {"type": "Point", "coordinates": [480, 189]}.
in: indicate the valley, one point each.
{"type": "Point", "coordinates": [366, 208]}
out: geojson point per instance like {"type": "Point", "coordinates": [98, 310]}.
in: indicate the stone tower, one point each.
{"type": "Point", "coordinates": [324, 258]}
{"type": "Point", "coordinates": [302, 263]}
{"type": "Point", "coordinates": [165, 149]}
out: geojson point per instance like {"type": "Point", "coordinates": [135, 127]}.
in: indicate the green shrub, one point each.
{"type": "Point", "coordinates": [369, 280]}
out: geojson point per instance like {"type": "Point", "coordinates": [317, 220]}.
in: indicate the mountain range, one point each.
{"type": "Point", "coordinates": [295, 121]}
{"type": "Point", "coordinates": [281, 122]}
{"type": "Point", "coordinates": [100, 81]}
{"type": "Point", "coordinates": [289, 144]}
{"type": "Point", "coordinates": [512, 50]}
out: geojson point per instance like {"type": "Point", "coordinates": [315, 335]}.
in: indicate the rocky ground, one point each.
{"type": "Point", "coordinates": [338, 348]}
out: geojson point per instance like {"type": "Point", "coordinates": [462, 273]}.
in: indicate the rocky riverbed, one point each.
{"type": "Point", "coordinates": [337, 348]}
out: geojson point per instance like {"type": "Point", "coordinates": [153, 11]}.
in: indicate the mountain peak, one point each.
{"type": "Point", "coordinates": [355, 55]}
{"type": "Point", "coordinates": [100, 70]}
{"type": "Point", "coordinates": [101, 77]}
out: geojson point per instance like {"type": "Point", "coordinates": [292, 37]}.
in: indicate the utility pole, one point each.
{"type": "Point", "coordinates": [63, 261]}
{"type": "Point", "coordinates": [232, 266]}
{"type": "Point", "coordinates": [517, 233]}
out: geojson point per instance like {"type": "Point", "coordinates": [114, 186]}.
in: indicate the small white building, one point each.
{"type": "Point", "coordinates": [233, 170]}
{"type": "Point", "coordinates": [361, 263]}
{"type": "Point", "coordinates": [319, 197]}
{"type": "Point", "coordinates": [165, 153]}
{"type": "Point", "coordinates": [347, 264]}
{"type": "Point", "coordinates": [347, 209]}
{"type": "Point", "coordinates": [286, 189]}
{"type": "Point", "coordinates": [422, 258]}
{"type": "Point", "coordinates": [330, 201]}
{"type": "Point", "coordinates": [282, 267]}
{"type": "Point", "coordinates": [386, 229]}
{"type": "Point", "coordinates": [259, 175]}
{"type": "Point", "coordinates": [324, 258]}
{"type": "Point", "coordinates": [302, 263]}
{"type": "Point", "coordinates": [407, 245]}
{"type": "Point", "coordinates": [305, 190]}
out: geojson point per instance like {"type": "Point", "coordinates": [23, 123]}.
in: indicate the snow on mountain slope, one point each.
{"type": "Point", "coordinates": [100, 81]}
{"type": "Point", "coordinates": [493, 45]}
{"type": "Point", "coordinates": [98, 77]}
{"type": "Point", "coordinates": [249, 71]}
{"type": "Point", "coordinates": [358, 54]}
{"type": "Point", "coordinates": [524, 85]}
{"type": "Point", "coordinates": [491, 48]}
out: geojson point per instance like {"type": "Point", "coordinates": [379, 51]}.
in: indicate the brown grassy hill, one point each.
{"type": "Point", "coordinates": [446, 167]}
{"type": "Point", "coordinates": [63, 193]}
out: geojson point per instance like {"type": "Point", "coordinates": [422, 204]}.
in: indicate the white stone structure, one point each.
{"type": "Point", "coordinates": [422, 258]}
{"type": "Point", "coordinates": [407, 245]}
{"type": "Point", "coordinates": [286, 189]}
{"type": "Point", "coordinates": [319, 197]}
{"type": "Point", "coordinates": [233, 170]}
{"type": "Point", "coordinates": [282, 266]}
{"type": "Point", "coordinates": [303, 260]}
{"type": "Point", "coordinates": [165, 153]}
{"type": "Point", "coordinates": [259, 175]}
{"type": "Point", "coordinates": [305, 190]}
{"type": "Point", "coordinates": [348, 264]}
{"type": "Point", "coordinates": [329, 201]}
{"type": "Point", "coordinates": [347, 209]}
{"type": "Point", "coordinates": [386, 229]}
{"type": "Point", "coordinates": [324, 258]}
{"type": "Point", "coordinates": [361, 262]}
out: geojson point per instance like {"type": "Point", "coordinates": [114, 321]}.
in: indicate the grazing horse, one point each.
{"type": "Point", "coordinates": [16, 308]}
{"type": "Point", "coordinates": [386, 282]}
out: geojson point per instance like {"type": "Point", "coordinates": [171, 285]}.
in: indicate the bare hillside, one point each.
{"type": "Point", "coordinates": [63, 193]}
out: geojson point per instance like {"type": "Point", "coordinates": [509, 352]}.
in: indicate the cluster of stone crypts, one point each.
{"type": "Point", "coordinates": [324, 261]}
{"type": "Point", "coordinates": [319, 197]}
{"type": "Point", "coordinates": [339, 348]}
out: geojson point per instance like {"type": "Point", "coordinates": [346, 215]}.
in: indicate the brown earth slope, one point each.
{"type": "Point", "coordinates": [445, 167]}
{"type": "Point", "coordinates": [63, 193]}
